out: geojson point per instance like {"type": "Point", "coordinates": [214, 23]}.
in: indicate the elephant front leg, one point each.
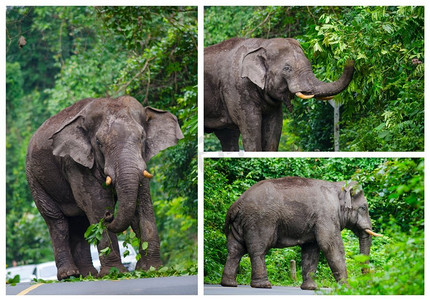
{"type": "Point", "coordinates": [331, 244]}
{"type": "Point", "coordinates": [229, 139]}
{"type": "Point", "coordinates": [146, 230]}
{"type": "Point", "coordinates": [271, 130]}
{"type": "Point", "coordinates": [58, 226]}
{"type": "Point", "coordinates": [59, 231]}
{"type": "Point", "coordinates": [250, 128]}
{"type": "Point", "coordinates": [113, 259]}
{"type": "Point", "coordinates": [310, 257]}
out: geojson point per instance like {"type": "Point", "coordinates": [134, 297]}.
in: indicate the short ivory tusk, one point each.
{"type": "Point", "coordinates": [300, 95]}
{"type": "Point", "coordinates": [370, 232]}
{"type": "Point", "coordinates": [108, 180]}
{"type": "Point", "coordinates": [326, 98]}
{"type": "Point", "coordinates": [147, 174]}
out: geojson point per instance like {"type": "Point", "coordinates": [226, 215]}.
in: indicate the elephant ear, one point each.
{"type": "Point", "coordinates": [254, 67]}
{"type": "Point", "coordinates": [71, 140]}
{"type": "Point", "coordinates": [345, 195]}
{"type": "Point", "coordinates": [162, 131]}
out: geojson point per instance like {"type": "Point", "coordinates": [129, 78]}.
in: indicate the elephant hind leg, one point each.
{"type": "Point", "coordinates": [229, 139]}
{"type": "Point", "coordinates": [235, 252]}
{"type": "Point", "coordinates": [310, 257]}
{"type": "Point", "coordinates": [80, 247]}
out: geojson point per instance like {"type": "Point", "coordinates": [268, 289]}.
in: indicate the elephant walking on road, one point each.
{"type": "Point", "coordinates": [247, 80]}
{"type": "Point", "coordinates": [295, 211]}
{"type": "Point", "coordinates": [85, 160]}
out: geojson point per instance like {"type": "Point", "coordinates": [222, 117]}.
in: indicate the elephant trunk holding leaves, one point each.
{"type": "Point", "coordinates": [83, 162]}
{"type": "Point", "coordinates": [246, 82]}
{"type": "Point", "coordinates": [293, 211]}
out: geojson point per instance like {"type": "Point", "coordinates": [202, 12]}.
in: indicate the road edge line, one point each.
{"type": "Point", "coordinates": [29, 289]}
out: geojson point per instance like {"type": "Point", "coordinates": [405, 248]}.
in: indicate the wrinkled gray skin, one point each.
{"type": "Point", "coordinates": [295, 211]}
{"type": "Point", "coordinates": [246, 82]}
{"type": "Point", "coordinates": [68, 160]}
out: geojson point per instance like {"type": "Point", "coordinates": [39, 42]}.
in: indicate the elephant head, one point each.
{"type": "Point", "coordinates": [280, 68]}
{"type": "Point", "coordinates": [114, 138]}
{"type": "Point", "coordinates": [355, 215]}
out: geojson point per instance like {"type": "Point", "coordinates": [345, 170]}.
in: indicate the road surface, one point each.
{"type": "Point", "coordinates": [186, 285]}
{"type": "Point", "coordinates": [248, 290]}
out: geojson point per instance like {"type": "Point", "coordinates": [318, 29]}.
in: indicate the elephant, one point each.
{"type": "Point", "coordinates": [247, 80]}
{"type": "Point", "coordinates": [295, 211]}
{"type": "Point", "coordinates": [87, 159]}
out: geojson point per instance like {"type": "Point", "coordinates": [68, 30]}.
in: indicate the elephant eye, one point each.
{"type": "Point", "coordinates": [98, 143]}
{"type": "Point", "coordinates": [287, 68]}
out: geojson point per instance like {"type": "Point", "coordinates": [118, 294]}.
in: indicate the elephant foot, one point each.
{"type": "Point", "coordinates": [88, 270]}
{"type": "Point", "coordinates": [67, 271]}
{"type": "Point", "coordinates": [261, 284]}
{"type": "Point", "coordinates": [105, 270]}
{"type": "Point", "coordinates": [146, 265]}
{"type": "Point", "coordinates": [309, 285]}
{"type": "Point", "coordinates": [228, 282]}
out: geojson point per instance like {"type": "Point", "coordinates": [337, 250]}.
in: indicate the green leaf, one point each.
{"type": "Point", "coordinates": [145, 245]}
{"type": "Point", "coordinates": [105, 251]}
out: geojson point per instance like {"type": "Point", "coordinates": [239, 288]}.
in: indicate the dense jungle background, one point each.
{"type": "Point", "coordinates": [383, 107]}
{"type": "Point", "coordinates": [59, 55]}
{"type": "Point", "coordinates": [394, 188]}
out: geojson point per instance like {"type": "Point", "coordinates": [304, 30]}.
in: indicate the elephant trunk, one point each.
{"type": "Point", "coordinates": [127, 186]}
{"type": "Point", "coordinates": [365, 242]}
{"type": "Point", "coordinates": [325, 90]}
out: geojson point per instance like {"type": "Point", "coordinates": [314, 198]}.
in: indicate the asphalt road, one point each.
{"type": "Point", "coordinates": [186, 285]}
{"type": "Point", "coordinates": [248, 290]}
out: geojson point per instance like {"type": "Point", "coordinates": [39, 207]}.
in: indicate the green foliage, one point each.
{"type": "Point", "coordinates": [94, 232]}
{"type": "Point", "coordinates": [397, 266]}
{"type": "Point", "coordinates": [79, 52]}
{"type": "Point", "coordinates": [383, 107]}
{"type": "Point", "coordinates": [394, 190]}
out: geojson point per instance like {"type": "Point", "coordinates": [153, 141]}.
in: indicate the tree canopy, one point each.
{"type": "Point", "coordinates": [76, 52]}
{"type": "Point", "coordinates": [383, 107]}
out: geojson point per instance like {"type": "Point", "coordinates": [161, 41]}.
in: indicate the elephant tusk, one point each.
{"type": "Point", "coordinates": [147, 174]}
{"type": "Point", "coordinates": [326, 98]}
{"type": "Point", "coordinates": [108, 180]}
{"type": "Point", "coordinates": [370, 232]}
{"type": "Point", "coordinates": [300, 95]}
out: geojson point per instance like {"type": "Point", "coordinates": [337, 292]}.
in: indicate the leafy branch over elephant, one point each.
{"type": "Point", "coordinates": [247, 80]}
{"type": "Point", "coordinates": [83, 162]}
{"type": "Point", "coordinates": [294, 211]}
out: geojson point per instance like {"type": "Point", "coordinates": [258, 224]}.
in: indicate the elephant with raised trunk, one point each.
{"type": "Point", "coordinates": [85, 160]}
{"type": "Point", "coordinates": [294, 211]}
{"type": "Point", "coordinates": [247, 80]}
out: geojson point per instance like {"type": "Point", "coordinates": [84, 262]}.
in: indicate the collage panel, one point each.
{"type": "Point", "coordinates": [303, 226]}
{"type": "Point", "coordinates": [214, 150]}
{"type": "Point", "coordinates": [320, 78]}
{"type": "Point", "coordinates": [101, 106]}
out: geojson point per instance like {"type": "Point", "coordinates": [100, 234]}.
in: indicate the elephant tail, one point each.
{"type": "Point", "coordinates": [232, 222]}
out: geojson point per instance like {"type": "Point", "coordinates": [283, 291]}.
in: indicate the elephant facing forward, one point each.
{"type": "Point", "coordinates": [247, 80]}
{"type": "Point", "coordinates": [295, 211]}
{"type": "Point", "coordinates": [85, 160]}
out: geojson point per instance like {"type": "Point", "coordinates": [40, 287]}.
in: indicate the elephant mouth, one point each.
{"type": "Point", "coordinates": [370, 232]}
{"type": "Point", "coordinates": [146, 174]}
{"type": "Point", "coordinates": [309, 96]}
